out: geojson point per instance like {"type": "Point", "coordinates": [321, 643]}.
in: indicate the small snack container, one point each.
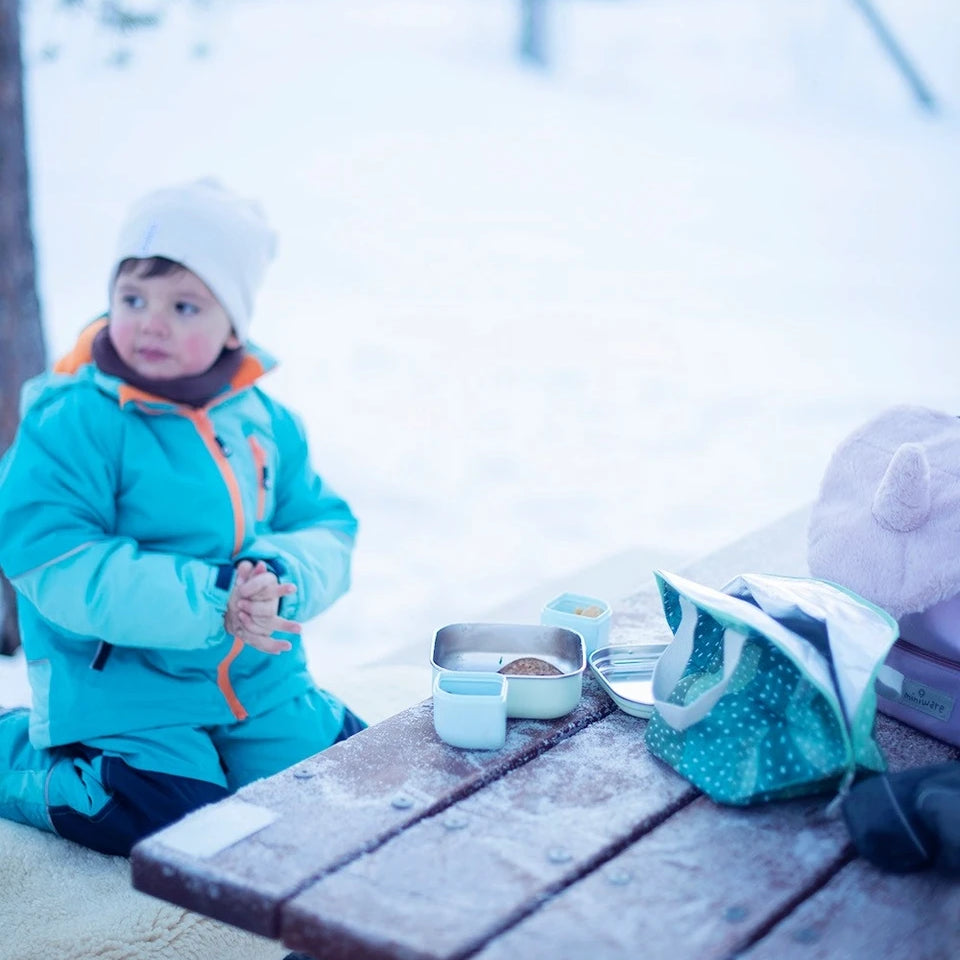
{"type": "Point", "coordinates": [588, 616]}
{"type": "Point", "coordinates": [626, 673]}
{"type": "Point", "coordinates": [543, 665]}
{"type": "Point", "coordinates": [470, 709]}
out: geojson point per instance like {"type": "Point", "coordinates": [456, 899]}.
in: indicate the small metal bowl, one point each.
{"type": "Point", "coordinates": [492, 646]}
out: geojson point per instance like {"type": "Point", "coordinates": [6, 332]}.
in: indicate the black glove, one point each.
{"type": "Point", "coordinates": [908, 821]}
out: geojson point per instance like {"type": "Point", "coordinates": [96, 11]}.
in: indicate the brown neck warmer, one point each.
{"type": "Point", "coordinates": [194, 391]}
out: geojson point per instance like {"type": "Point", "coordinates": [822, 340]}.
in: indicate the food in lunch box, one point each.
{"type": "Point", "coordinates": [592, 611]}
{"type": "Point", "coordinates": [530, 667]}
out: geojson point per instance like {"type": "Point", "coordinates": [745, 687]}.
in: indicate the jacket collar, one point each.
{"type": "Point", "coordinates": [256, 362]}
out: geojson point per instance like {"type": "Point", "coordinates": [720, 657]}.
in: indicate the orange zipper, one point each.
{"type": "Point", "coordinates": [204, 427]}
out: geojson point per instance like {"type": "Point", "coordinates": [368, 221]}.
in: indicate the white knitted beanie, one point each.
{"type": "Point", "coordinates": [223, 238]}
{"type": "Point", "coordinates": [887, 521]}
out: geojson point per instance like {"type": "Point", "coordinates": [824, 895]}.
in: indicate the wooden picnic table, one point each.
{"type": "Point", "coordinates": [571, 841]}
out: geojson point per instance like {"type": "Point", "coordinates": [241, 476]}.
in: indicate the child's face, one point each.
{"type": "Point", "coordinates": [167, 326]}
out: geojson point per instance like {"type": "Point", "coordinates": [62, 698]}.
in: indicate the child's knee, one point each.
{"type": "Point", "coordinates": [138, 803]}
{"type": "Point", "coordinates": [264, 745]}
{"type": "Point", "coordinates": [351, 724]}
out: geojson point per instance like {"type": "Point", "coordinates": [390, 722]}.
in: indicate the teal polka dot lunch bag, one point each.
{"type": "Point", "coordinates": [767, 690]}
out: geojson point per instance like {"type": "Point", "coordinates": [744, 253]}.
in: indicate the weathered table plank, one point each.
{"type": "Point", "coordinates": [905, 747]}
{"type": "Point", "coordinates": [700, 886]}
{"type": "Point", "coordinates": [451, 882]}
{"type": "Point", "coordinates": [863, 912]}
{"type": "Point", "coordinates": [339, 804]}
{"type": "Point", "coordinates": [709, 881]}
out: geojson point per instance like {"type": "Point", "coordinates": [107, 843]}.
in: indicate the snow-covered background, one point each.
{"type": "Point", "coordinates": [534, 319]}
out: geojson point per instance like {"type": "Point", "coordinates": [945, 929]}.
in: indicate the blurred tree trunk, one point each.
{"type": "Point", "coordinates": [22, 348]}
{"type": "Point", "coordinates": [533, 30]}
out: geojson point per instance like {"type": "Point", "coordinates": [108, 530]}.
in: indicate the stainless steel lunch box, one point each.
{"type": "Point", "coordinates": [626, 673]}
{"type": "Point", "coordinates": [491, 646]}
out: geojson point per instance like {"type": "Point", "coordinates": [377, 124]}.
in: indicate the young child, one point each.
{"type": "Point", "coordinates": [166, 536]}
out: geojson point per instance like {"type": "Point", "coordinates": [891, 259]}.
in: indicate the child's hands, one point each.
{"type": "Point", "coordinates": [252, 608]}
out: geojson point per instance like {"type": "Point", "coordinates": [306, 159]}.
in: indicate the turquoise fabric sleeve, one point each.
{"type": "Point", "coordinates": [112, 591]}
{"type": "Point", "coordinates": [57, 511]}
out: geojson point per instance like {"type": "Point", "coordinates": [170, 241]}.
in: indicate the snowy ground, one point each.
{"type": "Point", "coordinates": [534, 319]}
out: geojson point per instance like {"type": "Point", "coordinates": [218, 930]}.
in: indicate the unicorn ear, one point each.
{"type": "Point", "coordinates": [902, 500]}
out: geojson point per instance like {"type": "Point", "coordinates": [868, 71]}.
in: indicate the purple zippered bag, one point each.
{"type": "Point", "coordinates": [929, 697]}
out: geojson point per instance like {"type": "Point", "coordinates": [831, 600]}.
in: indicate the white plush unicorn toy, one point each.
{"type": "Point", "coordinates": [886, 525]}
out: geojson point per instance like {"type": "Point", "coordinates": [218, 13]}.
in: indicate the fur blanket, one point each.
{"type": "Point", "coordinates": [60, 901]}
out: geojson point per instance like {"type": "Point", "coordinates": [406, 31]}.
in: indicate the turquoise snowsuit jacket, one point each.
{"type": "Point", "coordinates": [121, 517]}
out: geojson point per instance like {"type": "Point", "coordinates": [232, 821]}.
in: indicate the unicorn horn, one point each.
{"type": "Point", "coordinates": [902, 500]}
